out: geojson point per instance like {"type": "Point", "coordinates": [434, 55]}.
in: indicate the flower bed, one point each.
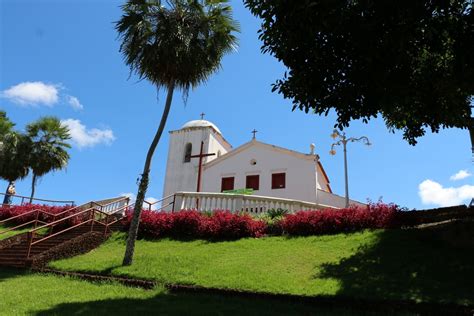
{"type": "Point", "coordinates": [190, 224]}
{"type": "Point", "coordinates": [328, 221]}
{"type": "Point", "coordinates": [15, 210]}
{"type": "Point", "coordinates": [224, 225]}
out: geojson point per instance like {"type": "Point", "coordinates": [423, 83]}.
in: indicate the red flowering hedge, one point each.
{"type": "Point", "coordinates": [329, 221]}
{"type": "Point", "coordinates": [14, 210]}
{"type": "Point", "coordinates": [189, 224]}
{"type": "Point", "coordinates": [224, 225]}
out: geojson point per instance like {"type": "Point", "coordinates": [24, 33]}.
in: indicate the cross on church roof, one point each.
{"type": "Point", "coordinates": [202, 115]}
{"type": "Point", "coordinates": [254, 132]}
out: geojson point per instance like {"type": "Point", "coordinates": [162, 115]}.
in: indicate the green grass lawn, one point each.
{"type": "Point", "coordinates": [422, 265]}
{"type": "Point", "coordinates": [24, 293]}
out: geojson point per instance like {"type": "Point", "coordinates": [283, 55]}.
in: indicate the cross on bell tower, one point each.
{"type": "Point", "coordinates": [254, 132]}
{"type": "Point", "coordinates": [202, 115]}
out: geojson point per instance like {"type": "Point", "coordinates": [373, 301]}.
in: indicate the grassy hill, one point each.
{"type": "Point", "coordinates": [422, 265]}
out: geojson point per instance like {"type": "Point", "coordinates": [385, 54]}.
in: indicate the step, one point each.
{"type": "Point", "coordinates": [13, 264]}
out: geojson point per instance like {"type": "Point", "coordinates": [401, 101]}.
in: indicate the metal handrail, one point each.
{"type": "Point", "coordinates": [158, 201]}
{"type": "Point", "coordinates": [16, 216]}
{"type": "Point", "coordinates": [21, 225]}
{"type": "Point", "coordinates": [61, 220]}
{"type": "Point", "coordinates": [36, 220]}
{"type": "Point", "coordinates": [107, 223]}
{"type": "Point", "coordinates": [24, 224]}
{"type": "Point", "coordinates": [31, 234]}
{"type": "Point", "coordinates": [69, 209]}
{"type": "Point", "coordinates": [42, 211]}
{"type": "Point", "coordinates": [36, 199]}
{"type": "Point", "coordinates": [92, 220]}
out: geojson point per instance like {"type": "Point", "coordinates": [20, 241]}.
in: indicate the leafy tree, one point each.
{"type": "Point", "coordinates": [409, 61]}
{"type": "Point", "coordinates": [48, 148]}
{"type": "Point", "coordinates": [6, 125]}
{"type": "Point", "coordinates": [14, 156]}
{"type": "Point", "coordinates": [175, 44]}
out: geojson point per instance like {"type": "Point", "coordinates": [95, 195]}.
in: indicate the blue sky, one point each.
{"type": "Point", "coordinates": [72, 46]}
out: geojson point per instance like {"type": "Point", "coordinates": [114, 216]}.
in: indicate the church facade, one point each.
{"type": "Point", "coordinates": [268, 170]}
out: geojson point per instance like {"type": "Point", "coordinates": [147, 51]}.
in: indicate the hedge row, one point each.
{"type": "Point", "coordinates": [189, 224]}
{"type": "Point", "coordinates": [7, 211]}
{"type": "Point", "coordinates": [320, 222]}
{"type": "Point", "coordinates": [224, 225]}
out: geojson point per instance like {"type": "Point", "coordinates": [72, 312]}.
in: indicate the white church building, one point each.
{"type": "Point", "coordinates": [278, 177]}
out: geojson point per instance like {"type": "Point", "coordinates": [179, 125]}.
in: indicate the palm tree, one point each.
{"type": "Point", "coordinates": [6, 125]}
{"type": "Point", "coordinates": [14, 156]}
{"type": "Point", "coordinates": [174, 44]}
{"type": "Point", "coordinates": [48, 147]}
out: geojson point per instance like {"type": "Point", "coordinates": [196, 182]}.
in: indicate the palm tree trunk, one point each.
{"type": "Point", "coordinates": [33, 186]}
{"type": "Point", "coordinates": [471, 132]}
{"type": "Point", "coordinates": [142, 188]}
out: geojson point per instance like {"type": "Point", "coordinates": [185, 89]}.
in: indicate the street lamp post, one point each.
{"type": "Point", "coordinates": [343, 140]}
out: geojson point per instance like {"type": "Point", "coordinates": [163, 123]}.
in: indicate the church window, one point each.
{"type": "Point", "coordinates": [278, 180]}
{"type": "Point", "coordinates": [252, 182]}
{"type": "Point", "coordinates": [227, 184]}
{"type": "Point", "coordinates": [187, 152]}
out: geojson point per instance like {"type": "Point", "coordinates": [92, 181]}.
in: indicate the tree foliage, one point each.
{"type": "Point", "coordinates": [14, 156]}
{"type": "Point", "coordinates": [5, 125]}
{"type": "Point", "coordinates": [176, 42]}
{"type": "Point", "coordinates": [411, 62]}
{"type": "Point", "coordinates": [48, 147]}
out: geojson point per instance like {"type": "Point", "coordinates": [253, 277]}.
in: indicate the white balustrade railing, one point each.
{"type": "Point", "coordinates": [112, 204]}
{"type": "Point", "coordinates": [208, 201]}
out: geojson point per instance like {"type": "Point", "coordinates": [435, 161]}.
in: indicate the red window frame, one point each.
{"type": "Point", "coordinates": [279, 180]}
{"type": "Point", "coordinates": [252, 182]}
{"type": "Point", "coordinates": [227, 183]}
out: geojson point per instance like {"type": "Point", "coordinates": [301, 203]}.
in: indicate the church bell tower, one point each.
{"type": "Point", "coordinates": [181, 168]}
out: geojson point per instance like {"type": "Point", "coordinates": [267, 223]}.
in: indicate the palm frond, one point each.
{"type": "Point", "coordinates": [179, 41]}
{"type": "Point", "coordinates": [48, 145]}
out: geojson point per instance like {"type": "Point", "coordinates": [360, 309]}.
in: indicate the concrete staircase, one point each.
{"type": "Point", "coordinates": [16, 254]}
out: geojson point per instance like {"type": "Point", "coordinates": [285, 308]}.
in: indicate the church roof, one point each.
{"type": "Point", "coordinates": [200, 123]}
{"type": "Point", "coordinates": [254, 142]}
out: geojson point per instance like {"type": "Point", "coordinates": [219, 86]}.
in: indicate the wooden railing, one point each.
{"type": "Point", "coordinates": [27, 198]}
{"type": "Point", "coordinates": [207, 201]}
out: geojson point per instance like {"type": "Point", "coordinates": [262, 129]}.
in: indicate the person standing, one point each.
{"type": "Point", "coordinates": [10, 192]}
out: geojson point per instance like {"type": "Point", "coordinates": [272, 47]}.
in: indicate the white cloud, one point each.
{"type": "Point", "coordinates": [84, 137]}
{"type": "Point", "coordinates": [133, 198]}
{"type": "Point", "coordinates": [462, 174]}
{"type": "Point", "coordinates": [74, 103]}
{"type": "Point", "coordinates": [129, 195]}
{"type": "Point", "coordinates": [32, 93]}
{"type": "Point", "coordinates": [432, 192]}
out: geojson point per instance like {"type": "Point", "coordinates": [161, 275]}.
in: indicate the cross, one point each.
{"type": "Point", "coordinates": [254, 132]}
{"type": "Point", "coordinates": [202, 115]}
{"type": "Point", "coordinates": [200, 156]}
